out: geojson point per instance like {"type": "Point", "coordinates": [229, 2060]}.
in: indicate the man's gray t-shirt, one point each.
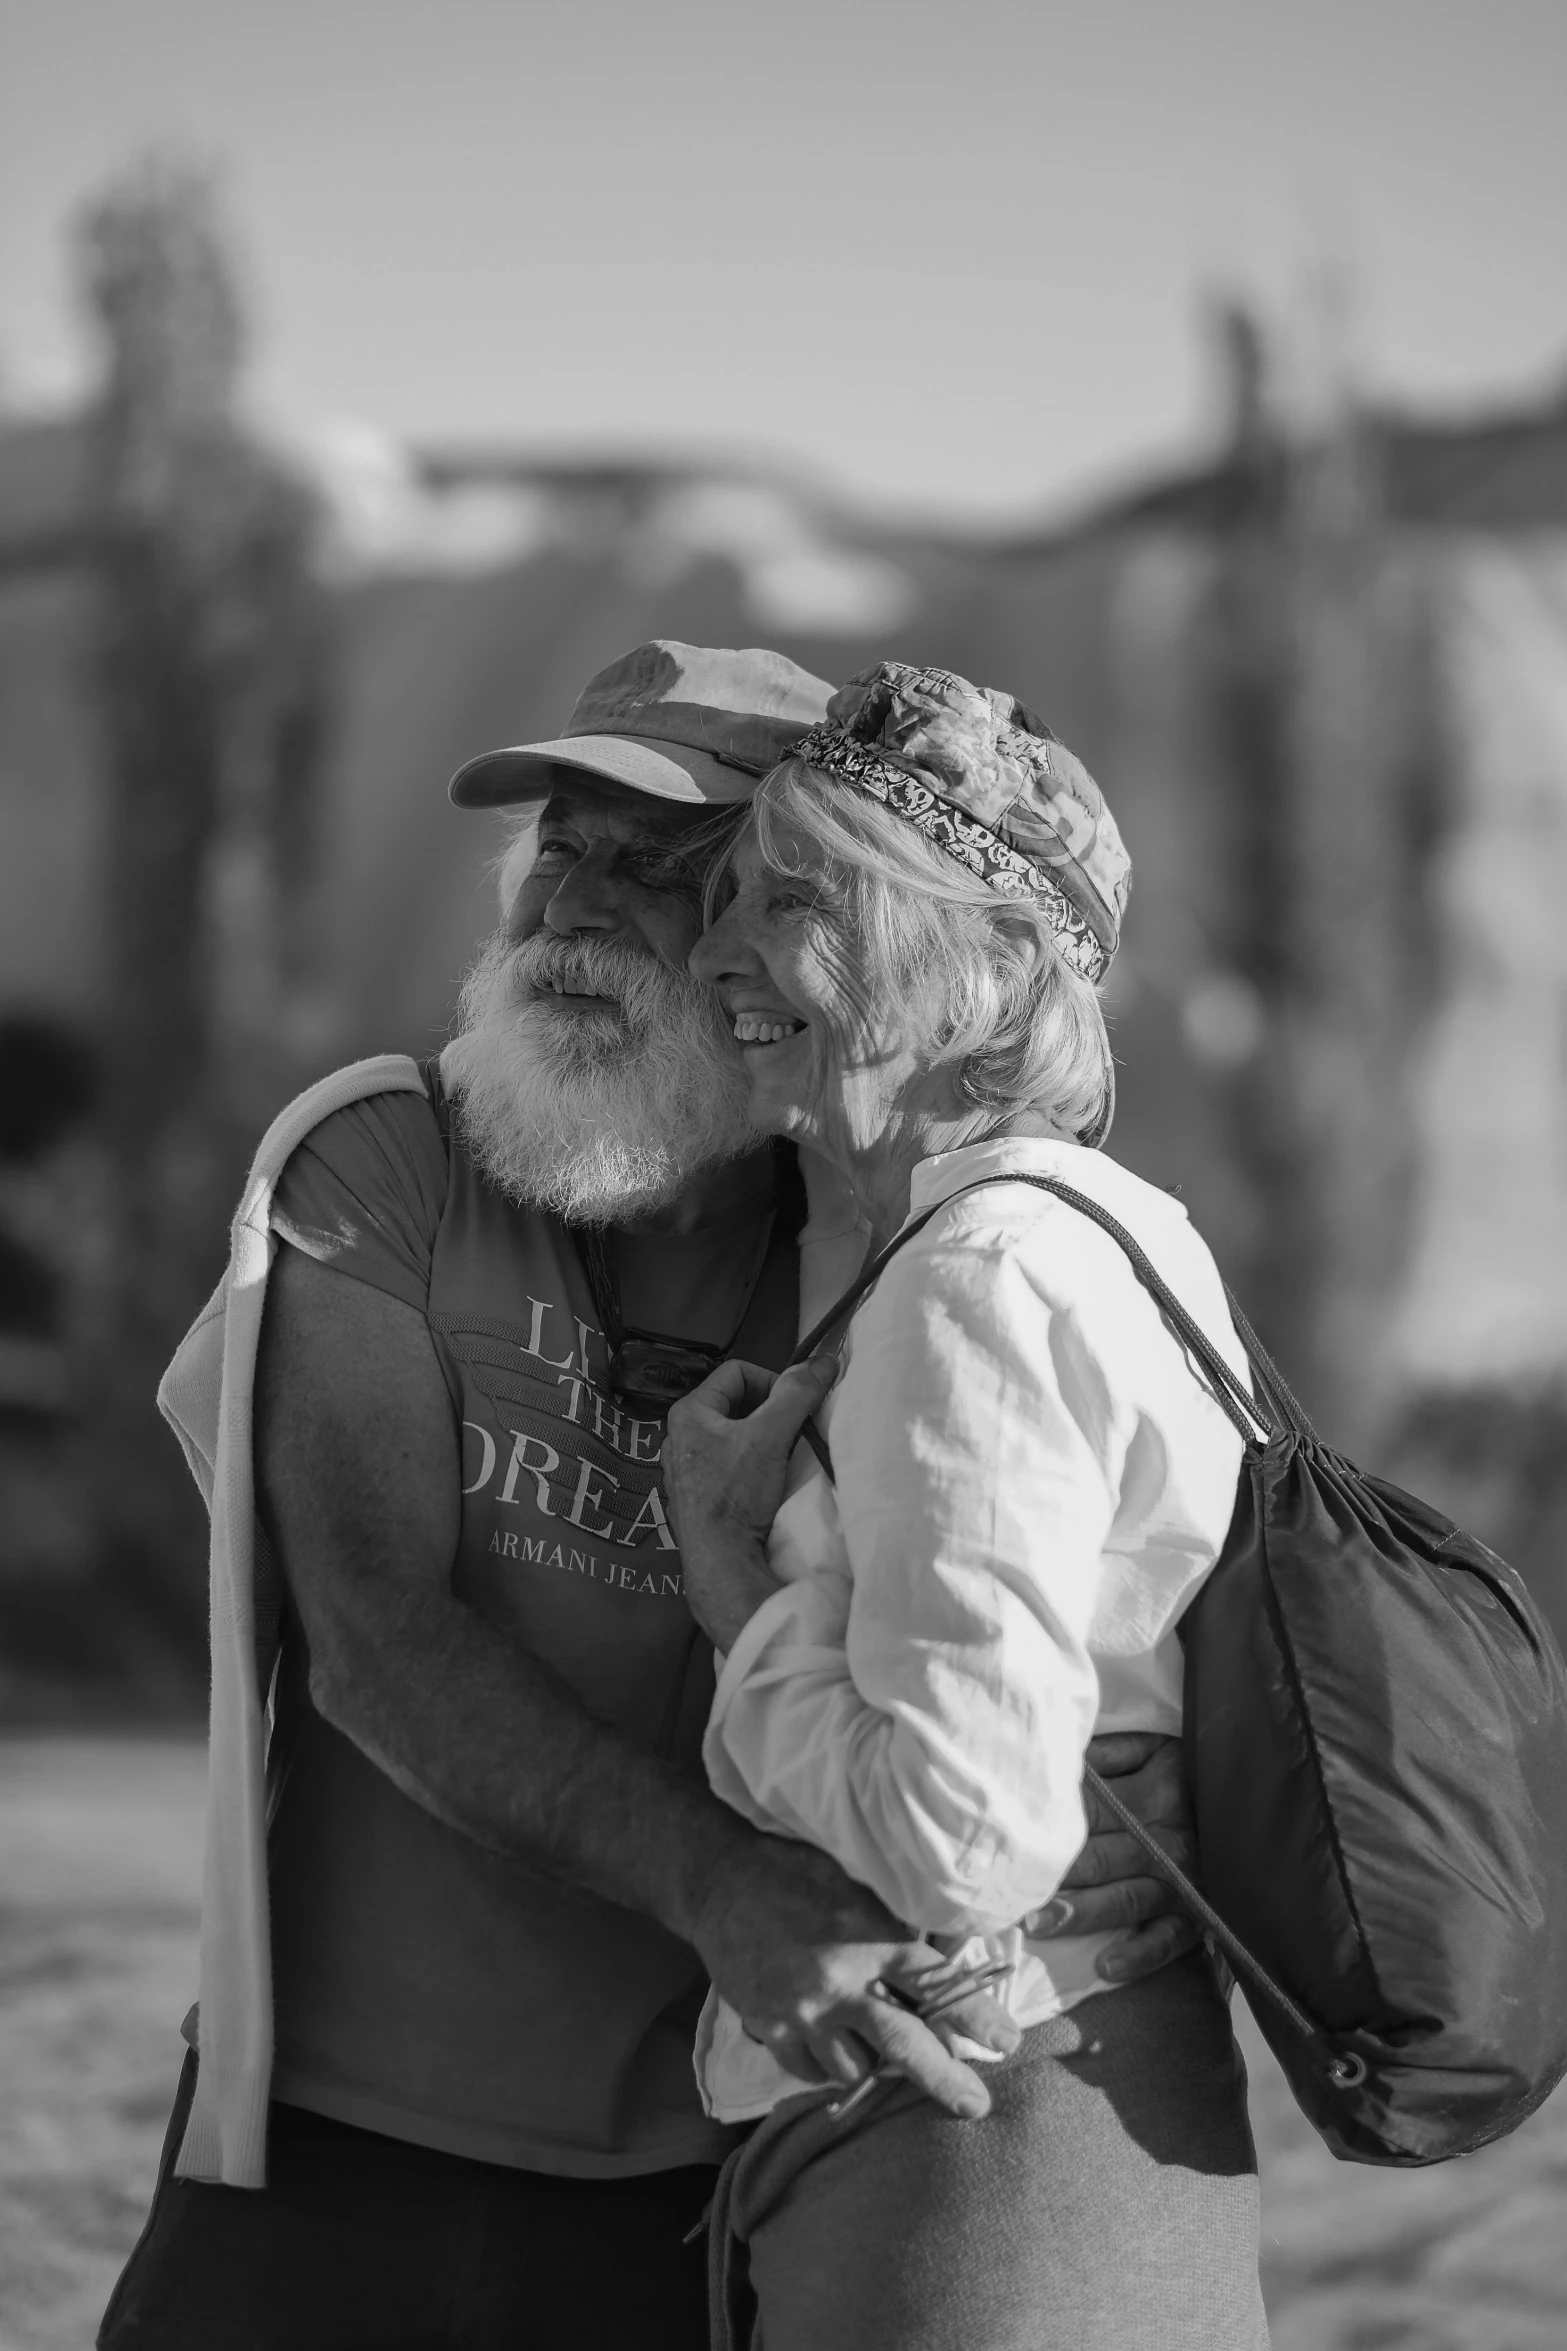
{"type": "Point", "coordinates": [425, 1987]}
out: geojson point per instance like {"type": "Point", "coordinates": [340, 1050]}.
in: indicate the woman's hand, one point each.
{"type": "Point", "coordinates": [725, 1461]}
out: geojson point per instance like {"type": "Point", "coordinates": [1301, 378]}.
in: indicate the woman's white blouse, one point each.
{"type": "Point", "coordinates": [1031, 1483]}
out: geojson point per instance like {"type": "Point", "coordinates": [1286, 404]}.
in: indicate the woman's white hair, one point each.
{"type": "Point", "coordinates": [1028, 1031]}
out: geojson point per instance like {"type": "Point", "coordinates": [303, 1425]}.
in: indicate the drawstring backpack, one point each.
{"type": "Point", "coordinates": [1376, 1745]}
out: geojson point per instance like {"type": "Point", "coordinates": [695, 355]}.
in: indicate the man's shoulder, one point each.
{"type": "Point", "coordinates": [398, 1128]}
{"type": "Point", "coordinates": [383, 1078]}
{"type": "Point", "coordinates": [364, 1180]}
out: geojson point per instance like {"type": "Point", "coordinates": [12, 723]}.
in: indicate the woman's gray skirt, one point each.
{"type": "Point", "coordinates": [1107, 2203]}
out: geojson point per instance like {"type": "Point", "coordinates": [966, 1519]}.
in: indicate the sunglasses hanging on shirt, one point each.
{"type": "Point", "coordinates": [649, 1370]}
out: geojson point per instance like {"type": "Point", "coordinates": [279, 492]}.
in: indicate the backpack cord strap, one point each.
{"type": "Point", "coordinates": [835, 1314]}
{"type": "Point", "coordinates": [851, 1297]}
{"type": "Point", "coordinates": [1350, 2069]}
{"type": "Point", "coordinates": [1272, 1381]}
{"type": "Point", "coordinates": [1229, 1392]}
{"type": "Point", "coordinates": [1240, 1407]}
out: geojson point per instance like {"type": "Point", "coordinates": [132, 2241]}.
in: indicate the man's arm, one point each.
{"type": "Point", "coordinates": [359, 1474]}
{"type": "Point", "coordinates": [1110, 1884]}
{"type": "Point", "coordinates": [359, 1478]}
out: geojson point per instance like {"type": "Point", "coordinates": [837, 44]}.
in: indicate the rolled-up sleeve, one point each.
{"type": "Point", "coordinates": [919, 1705]}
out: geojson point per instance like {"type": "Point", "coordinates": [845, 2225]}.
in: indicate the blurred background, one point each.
{"type": "Point", "coordinates": [371, 372]}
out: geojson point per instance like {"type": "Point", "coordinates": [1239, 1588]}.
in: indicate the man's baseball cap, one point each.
{"type": "Point", "coordinates": [697, 723]}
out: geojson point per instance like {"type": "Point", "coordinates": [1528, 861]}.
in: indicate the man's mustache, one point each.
{"type": "Point", "coordinates": [585, 967]}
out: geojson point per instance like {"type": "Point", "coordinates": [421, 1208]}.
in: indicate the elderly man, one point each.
{"type": "Point", "coordinates": [498, 1884]}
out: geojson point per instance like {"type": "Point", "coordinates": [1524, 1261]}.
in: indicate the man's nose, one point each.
{"type": "Point", "coordinates": [587, 898]}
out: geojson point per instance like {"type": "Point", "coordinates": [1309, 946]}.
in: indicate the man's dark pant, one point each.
{"type": "Point", "coordinates": [361, 2243]}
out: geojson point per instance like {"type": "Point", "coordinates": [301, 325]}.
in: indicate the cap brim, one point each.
{"type": "Point", "coordinates": [666, 771]}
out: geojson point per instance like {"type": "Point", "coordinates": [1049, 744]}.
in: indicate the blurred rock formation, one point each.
{"type": "Point", "coordinates": [204, 649]}
{"type": "Point", "coordinates": [1322, 673]}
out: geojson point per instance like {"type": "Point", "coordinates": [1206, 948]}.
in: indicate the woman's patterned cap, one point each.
{"type": "Point", "coordinates": [985, 780]}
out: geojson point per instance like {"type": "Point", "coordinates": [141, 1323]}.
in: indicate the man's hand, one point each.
{"type": "Point", "coordinates": [795, 1946]}
{"type": "Point", "coordinates": [1110, 1883]}
{"type": "Point", "coordinates": [725, 1461]}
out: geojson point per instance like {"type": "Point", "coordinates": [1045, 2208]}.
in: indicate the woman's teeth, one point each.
{"type": "Point", "coordinates": [751, 1031]}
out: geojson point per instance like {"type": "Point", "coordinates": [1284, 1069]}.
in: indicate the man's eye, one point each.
{"type": "Point", "coordinates": [662, 870]}
{"type": "Point", "coordinates": [555, 849]}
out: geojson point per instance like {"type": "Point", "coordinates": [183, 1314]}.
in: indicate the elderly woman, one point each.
{"type": "Point", "coordinates": [926, 1617]}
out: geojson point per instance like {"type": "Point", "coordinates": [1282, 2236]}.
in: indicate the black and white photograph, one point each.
{"type": "Point", "coordinates": [783, 1175]}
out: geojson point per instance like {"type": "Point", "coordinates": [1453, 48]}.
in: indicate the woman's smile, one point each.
{"type": "Point", "coordinates": [831, 1064]}
{"type": "Point", "coordinates": [763, 1029]}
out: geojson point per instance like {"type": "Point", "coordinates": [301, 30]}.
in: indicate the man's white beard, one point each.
{"type": "Point", "coordinates": [599, 1117]}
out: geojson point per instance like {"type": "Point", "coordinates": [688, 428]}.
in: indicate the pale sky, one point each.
{"type": "Point", "coordinates": [949, 257]}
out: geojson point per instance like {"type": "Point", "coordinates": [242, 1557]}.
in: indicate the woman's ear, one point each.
{"type": "Point", "coordinates": [1020, 932]}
